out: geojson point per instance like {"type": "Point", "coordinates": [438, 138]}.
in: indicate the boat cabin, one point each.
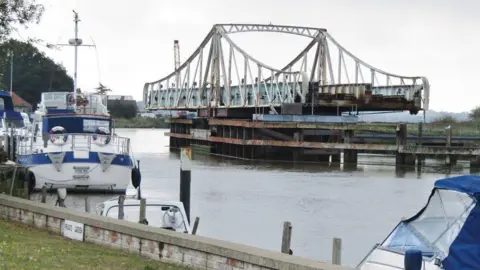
{"type": "Point", "coordinates": [8, 113]}
{"type": "Point", "coordinates": [56, 114]}
{"type": "Point", "coordinates": [445, 233]}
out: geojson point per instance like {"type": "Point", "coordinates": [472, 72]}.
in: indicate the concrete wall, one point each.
{"type": "Point", "coordinates": [156, 243]}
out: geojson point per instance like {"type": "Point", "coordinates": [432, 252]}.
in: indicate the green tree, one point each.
{"type": "Point", "coordinates": [474, 114]}
{"type": "Point", "coordinates": [122, 108]}
{"type": "Point", "coordinates": [33, 71]}
{"type": "Point", "coordinates": [18, 12]}
{"type": "Point", "coordinates": [102, 89]}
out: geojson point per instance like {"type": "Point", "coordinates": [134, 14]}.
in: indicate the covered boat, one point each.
{"type": "Point", "coordinates": [445, 234]}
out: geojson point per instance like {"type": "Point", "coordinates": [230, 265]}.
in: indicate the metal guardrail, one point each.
{"type": "Point", "coordinates": [71, 142]}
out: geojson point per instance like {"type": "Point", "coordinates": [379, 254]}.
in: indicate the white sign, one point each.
{"type": "Point", "coordinates": [186, 159]}
{"type": "Point", "coordinates": [73, 230]}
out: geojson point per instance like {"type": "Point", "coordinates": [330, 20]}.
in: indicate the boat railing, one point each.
{"type": "Point", "coordinates": [72, 142]}
{"type": "Point", "coordinates": [87, 103]}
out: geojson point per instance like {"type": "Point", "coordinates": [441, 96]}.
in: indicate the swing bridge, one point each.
{"type": "Point", "coordinates": [220, 79]}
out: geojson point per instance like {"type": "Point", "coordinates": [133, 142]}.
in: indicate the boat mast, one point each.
{"type": "Point", "coordinates": [77, 42]}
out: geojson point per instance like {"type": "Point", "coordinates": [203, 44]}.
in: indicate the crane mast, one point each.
{"type": "Point", "coordinates": [176, 51]}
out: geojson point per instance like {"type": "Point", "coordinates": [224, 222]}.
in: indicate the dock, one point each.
{"type": "Point", "coordinates": [324, 142]}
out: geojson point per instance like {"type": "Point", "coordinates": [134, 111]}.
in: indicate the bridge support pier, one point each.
{"type": "Point", "coordinates": [401, 158]}
{"type": "Point", "coordinates": [350, 159]}
{"type": "Point", "coordinates": [475, 165]}
{"type": "Point", "coordinates": [335, 158]}
{"type": "Point", "coordinates": [421, 160]}
{"type": "Point", "coordinates": [410, 160]}
{"type": "Point", "coordinates": [451, 160]}
{"type": "Point", "coordinates": [350, 156]}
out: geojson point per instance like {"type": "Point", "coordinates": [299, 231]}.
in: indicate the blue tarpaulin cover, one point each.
{"type": "Point", "coordinates": [464, 252]}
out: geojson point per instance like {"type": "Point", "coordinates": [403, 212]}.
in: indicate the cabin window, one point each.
{"type": "Point", "coordinates": [90, 125]}
{"type": "Point", "coordinates": [2, 104]}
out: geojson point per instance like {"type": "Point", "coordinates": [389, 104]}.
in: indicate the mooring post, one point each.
{"type": "Point", "coordinates": [44, 194]}
{"type": "Point", "coordinates": [121, 200]}
{"type": "Point", "coordinates": [448, 143]}
{"type": "Point", "coordinates": [286, 237]}
{"type": "Point", "coordinates": [420, 133]}
{"type": "Point", "coordinates": [185, 178]}
{"type": "Point", "coordinates": [195, 225]}
{"type": "Point", "coordinates": [13, 179]}
{"type": "Point", "coordinates": [448, 136]}
{"type": "Point", "coordinates": [5, 140]}
{"type": "Point", "coordinates": [87, 204]}
{"type": "Point", "coordinates": [12, 148]}
{"type": "Point", "coordinates": [401, 142]}
{"type": "Point", "coordinates": [337, 251]}
{"type": "Point", "coordinates": [420, 157]}
{"type": "Point", "coordinates": [143, 209]}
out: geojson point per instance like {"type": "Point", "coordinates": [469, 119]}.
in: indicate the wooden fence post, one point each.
{"type": "Point", "coordinates": [121, 200]}
{"type": "Point", "coordinates": [286, 237]}
{"type": "Point", "coordinates": [44, 194]}
{"type": "Point", "coordinates": [87, 204]}
{"type": "Point", "coordinates": [337, 251]}
{"type": "Point", "coordinates": [143, 209]}
{"type": "Point", "coordinates": [195, 225]}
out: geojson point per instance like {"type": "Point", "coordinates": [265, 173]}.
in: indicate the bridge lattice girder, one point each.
{"type": "Point", "coordinates": [220, 74]}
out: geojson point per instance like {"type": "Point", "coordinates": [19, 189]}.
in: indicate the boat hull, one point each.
{"type": "Point", "coordinates": [89, 174]}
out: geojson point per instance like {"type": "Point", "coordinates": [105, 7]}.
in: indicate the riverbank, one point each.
{"type": "Point", "coordinates": [142, 122]}
{"type": "Point", "coordinates": [23, 247]}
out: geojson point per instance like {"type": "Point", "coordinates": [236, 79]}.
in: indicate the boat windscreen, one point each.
{"type": "Point", "coordinates": [163, 216]}
{"type": "Point", "coordinates": [435, 227]}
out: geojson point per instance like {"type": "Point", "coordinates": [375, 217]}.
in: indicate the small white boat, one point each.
{"type": "Point", "coordinates": [159, 213]}
{"type": "Point", "coordinates": [445, 234]}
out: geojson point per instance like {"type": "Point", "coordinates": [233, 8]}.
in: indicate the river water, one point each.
{"type": "Point", "coordinates": [247, 202]}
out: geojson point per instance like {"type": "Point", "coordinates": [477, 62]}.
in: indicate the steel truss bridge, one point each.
{"type": "Point", "coordinates": [324, 78]}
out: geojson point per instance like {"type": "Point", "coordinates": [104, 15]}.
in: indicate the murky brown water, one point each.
{"type": "Point", "coordinates": [247, 202]}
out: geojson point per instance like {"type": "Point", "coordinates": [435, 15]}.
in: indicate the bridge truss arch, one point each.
{"type": "Point", "coordinates": [220, 74]}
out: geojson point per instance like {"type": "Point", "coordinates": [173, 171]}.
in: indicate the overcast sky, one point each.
{"type": "Point", "coordinates": [438, 39]}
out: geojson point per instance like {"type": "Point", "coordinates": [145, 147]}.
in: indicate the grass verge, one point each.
{"type": "Point", "coordinates": [24, 247]}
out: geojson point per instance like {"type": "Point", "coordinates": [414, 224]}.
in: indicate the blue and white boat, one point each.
{"type": "Point", "coordinates": [11, 120]}
{"type": "Point", "coordinates": [445, 234]}
{"type": "Point", "coordinates": [74, 145]}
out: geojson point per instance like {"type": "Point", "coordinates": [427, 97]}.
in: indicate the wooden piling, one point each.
{"type": "Point", "coordinates": [337, 251]}
{"type": "Point", "coordinates": [12, 184]}
{"type": "Point", "coordinates": [121, 200]}
{"type": "Point", "coordinates": [286, 237]}
{"type": "Point", "coordinates": [195, 225]}
{"type": "Point", "coordinates": [143, 208]}
{"type": "Point", "coordinates": [185, 179]}
{"type": "Point", "coordinates": [87, 204]}
{"type": "Point", "coordinates": [44, 194]}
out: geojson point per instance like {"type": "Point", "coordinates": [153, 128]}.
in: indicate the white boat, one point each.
{"type": "Point", "coordinates": [159, 213]}
{"type": "Point", "coordinates": [445, 234]}
{"type": "Point", "coordinates": [74, 145]}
